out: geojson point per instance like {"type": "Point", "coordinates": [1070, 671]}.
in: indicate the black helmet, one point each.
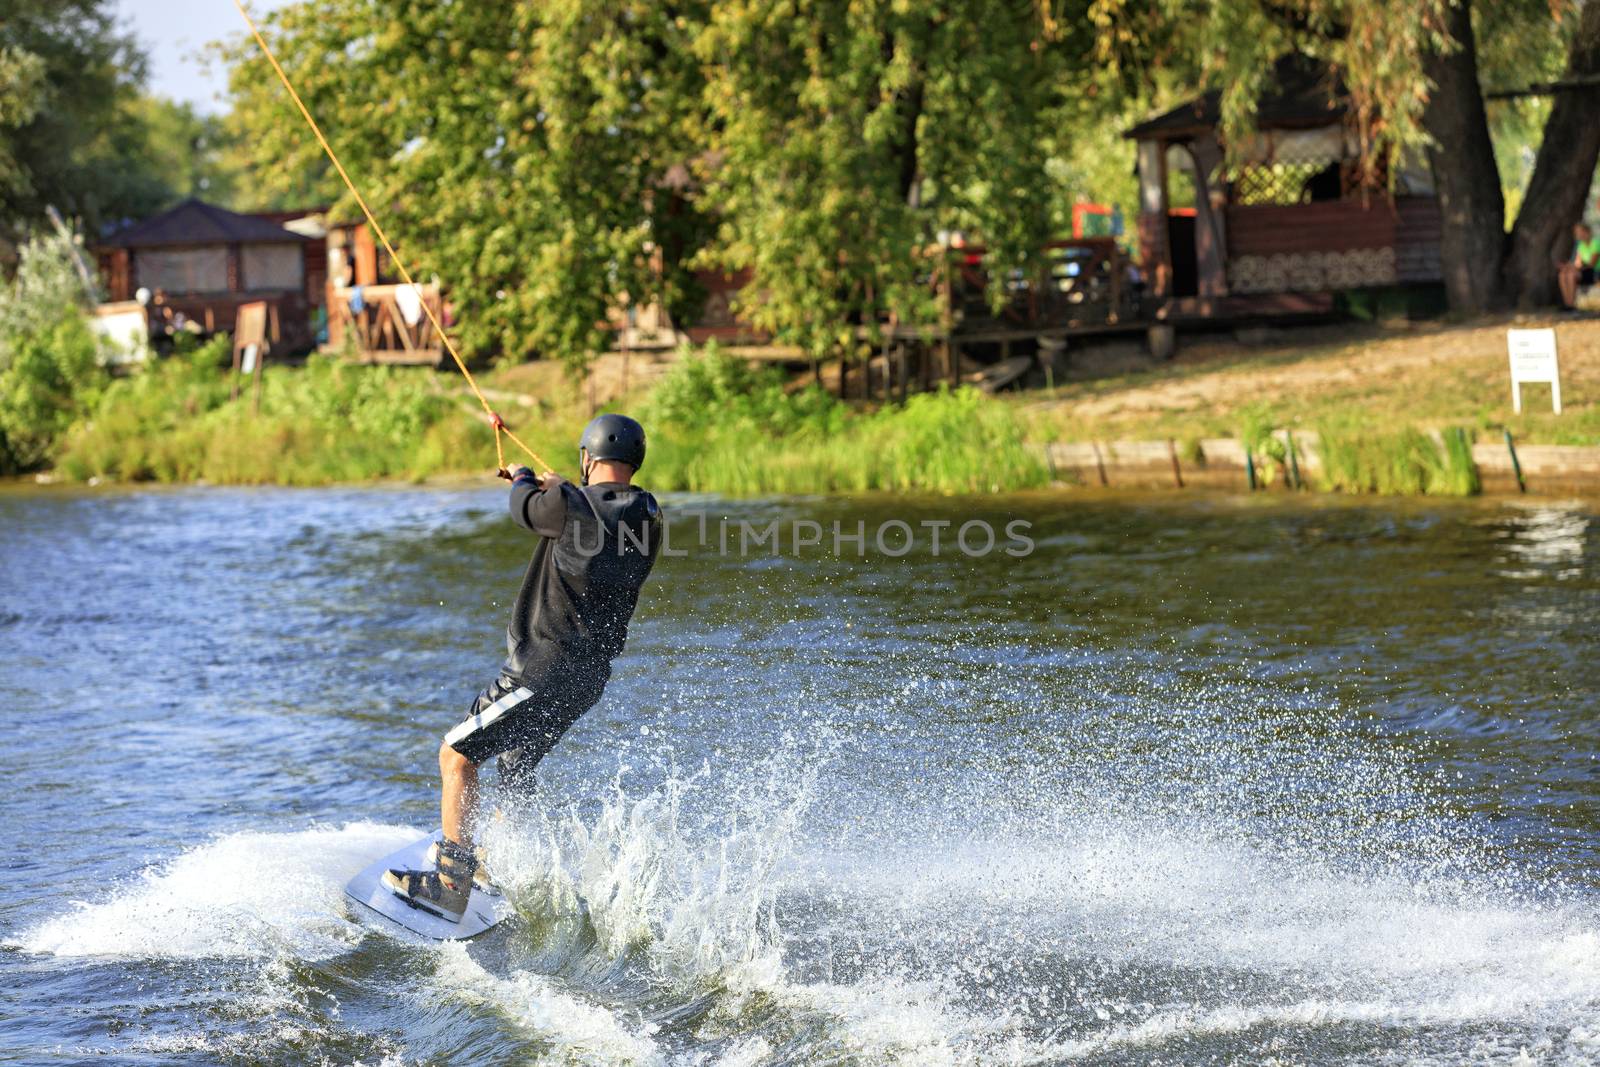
{"type": "Point", "coordinates": [614, 437]}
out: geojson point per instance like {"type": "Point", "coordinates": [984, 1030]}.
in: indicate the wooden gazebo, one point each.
{"type": "Point", "coordinates": [1291, 220]}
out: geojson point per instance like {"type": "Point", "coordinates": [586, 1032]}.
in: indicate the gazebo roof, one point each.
{"type": "Point", "coordinates": [195, 222]}
{"type": "Point", "coordinates": [1302, 92]}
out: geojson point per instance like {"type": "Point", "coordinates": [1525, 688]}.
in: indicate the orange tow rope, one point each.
{"type": "Point", "coordinates": [494, 419]}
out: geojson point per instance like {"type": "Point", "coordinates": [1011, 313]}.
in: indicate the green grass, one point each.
{"type": "Point", "coordinates": [1397, 413]}
{"type": "Point", "coordinates": [715, 425]}
{"type": "Point", "coordinates": [1404, 462]}
{"type": "Point", "coordinates": [326, 422]}
{"type": "Point", "coordinates": [720, 425]}
{"type": "Point", "coordinates": [946, 442]}
{"type": "Point", "coordinates": [1427, 378]}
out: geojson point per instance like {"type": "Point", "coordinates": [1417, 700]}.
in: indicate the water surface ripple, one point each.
{"type": "Point", "coordinates": [1200, 779]}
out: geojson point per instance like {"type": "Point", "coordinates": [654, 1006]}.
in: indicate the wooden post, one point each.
{"type": "Point", "coordinates": [1177, 471]}
{"type": "Point", "coordinates": [255, 398]}
{"type": "Point", "coordinates": [366, 257]}
{"type": "Point", "coordinates": [249, 329]}
{"type": "Point", "coordinates": [1117, 271]}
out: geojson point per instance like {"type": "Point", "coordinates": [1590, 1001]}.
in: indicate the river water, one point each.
{"type": "Point", "coordinates": [1196, 780]}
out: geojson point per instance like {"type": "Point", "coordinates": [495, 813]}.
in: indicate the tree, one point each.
{"type": "Point", "coordinates": [1563, 170]}
{"type": "Point", "coordinates": [185, 149]}
{"type": "Point", "coordinates": [78, 132]}
{"type": "Point", "coordinates": [849, 135]}
{"type": "Point", "coordinates": [66, 73]}
{"type": "Point", "coordinates": [550, 159]}
{"type": "Point", "coordinates": [518, 151]}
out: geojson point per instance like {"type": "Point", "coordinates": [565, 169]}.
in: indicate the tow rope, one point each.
{"type": "Point", "coordinates": [494, 419]}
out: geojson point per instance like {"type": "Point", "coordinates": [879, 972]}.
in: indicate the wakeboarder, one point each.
{"type": "Point", "coordinates": [598, 542]}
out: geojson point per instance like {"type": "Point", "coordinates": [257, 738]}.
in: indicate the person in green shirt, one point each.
{"type": "Point", "coordinates": [1578, 272]}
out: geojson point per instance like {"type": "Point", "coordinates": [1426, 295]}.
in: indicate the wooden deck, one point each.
{"type": "Point", "coordinates": [381, 330]}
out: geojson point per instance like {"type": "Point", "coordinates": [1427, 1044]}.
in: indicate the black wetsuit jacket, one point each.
{"type": "Point", "coordinates": [597, 546]}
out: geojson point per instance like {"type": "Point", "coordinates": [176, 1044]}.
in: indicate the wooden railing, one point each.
{"type": "Point", "coordinates": [1081, 283]}
{"type": "Point", "coordinates": [377, 329]}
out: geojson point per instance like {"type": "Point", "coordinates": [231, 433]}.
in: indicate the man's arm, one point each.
{"type": "Point", "coordinates": [538, 504]}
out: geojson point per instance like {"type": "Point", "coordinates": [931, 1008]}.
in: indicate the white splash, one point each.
{"type": "Point", "coordinates": [583, 1032]}
{"type": "Point", "coordinates": [245, 894]}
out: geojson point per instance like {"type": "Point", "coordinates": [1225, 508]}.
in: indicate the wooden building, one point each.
{"type": "Point", "coordinates": [199, 262]}
{"type": "Point", "coordinates": [1293, 220]}
{"type": "Point", "coordinates": [373, 316]}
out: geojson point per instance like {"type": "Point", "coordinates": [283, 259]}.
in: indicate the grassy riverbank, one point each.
{"type": "Point", "coordinates": [717, 425]}
{"type": "Point", "coordinates": [1352, 381]}
{"type": "Point", "coordinates": [1393, 412]}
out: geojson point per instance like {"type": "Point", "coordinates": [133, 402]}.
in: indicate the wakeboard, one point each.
{"type": "Point", "coordinates": [484, 909]}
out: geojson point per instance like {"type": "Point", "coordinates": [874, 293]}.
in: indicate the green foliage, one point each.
{"type": "Point", "coordinates": [850, 134]}
{"type": "Point", "coordinates": [179, 151]}
{"type": "Point", "coordinates": [713, 388]}
{"type": "Point", "coordinates": [716, 425]}
{"type": "Point", "coordinates": [328, 422]}
{"type": "Point", "coordinates": [948, 442]}
{"type": "Point", "coordinates": [48, 374]}
{"type": "Point", "coordinates": [517, 151]}
{"type": "Point", "coordinates": [1258, 437]}
{"type": "Point", "coordinates": [1378, 46]}
{"type": "Point", "coordinates": [50, 368]}
{"type": "Point", "coordinates": [74, 130]}
{"type": "Point", "coordinates": [553, 160]}
{"type": "Point", "coordinates": [1404, 462]}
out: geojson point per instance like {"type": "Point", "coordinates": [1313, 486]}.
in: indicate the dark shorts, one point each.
{"type": "Point", "coordinates": [528, 717]}
{"type": "Point", "coordinates": [1585, 277]}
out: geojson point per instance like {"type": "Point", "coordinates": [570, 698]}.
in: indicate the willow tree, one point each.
{"type": "Point", "coordinates": [548, 158]}
{"type": "Point", "coordinates": [1416, 72]}
{"type": "Point", "coordinates": [516, 150]}
{"type": "Point", "coordinates": [849, 136]}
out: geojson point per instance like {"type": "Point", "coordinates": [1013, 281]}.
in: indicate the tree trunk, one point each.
{"type": "Point", "coordinates": [1562, 172]}
{"type": "Point", "coordinates": [1472, 241]}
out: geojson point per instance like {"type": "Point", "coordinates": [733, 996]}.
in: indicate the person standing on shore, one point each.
{"type": "Point", "coordinates": [598, 544]}
{"type": "Point", "coordinates": [1578, 270]}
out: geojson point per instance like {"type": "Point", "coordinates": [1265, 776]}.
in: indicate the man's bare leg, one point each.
{"type": "Point", "coordinates": [458, 795]}
{"type": "Point", "coordinates": [1567, 278]}
{"type": "Point", "coordinates": [446, 887]}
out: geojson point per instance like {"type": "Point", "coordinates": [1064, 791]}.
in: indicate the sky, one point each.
{"type": "Point", "coordinates": [174, 34]}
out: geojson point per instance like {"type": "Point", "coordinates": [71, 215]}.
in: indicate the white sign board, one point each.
{"type": "Point", "coordinates": [247, 359]}
{"type": "Point", "coordinates": [1533, 359]}
{"type": "Point", "coordinates": [124, 329]}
